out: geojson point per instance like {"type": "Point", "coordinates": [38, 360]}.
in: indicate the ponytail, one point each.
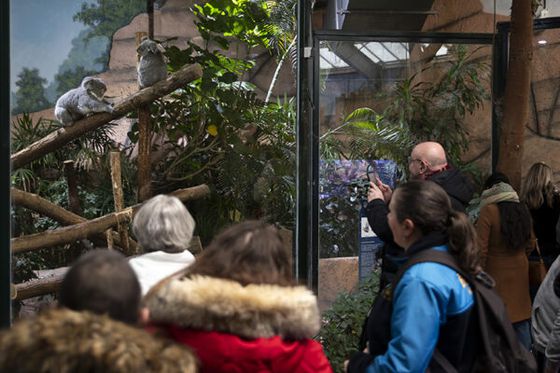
{"type": "Point", "coordinates": [462, 241]}
{"type": "Point", "coordinates": [429, 207]}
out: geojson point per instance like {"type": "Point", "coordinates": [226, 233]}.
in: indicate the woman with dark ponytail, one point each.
{"type": "Point", "coordinates": [431, 304]}
{"type": "Point", "coordinates": [505, 233]}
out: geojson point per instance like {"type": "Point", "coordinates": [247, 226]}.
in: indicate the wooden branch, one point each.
{"type": "Point", "coordinates": [63, 136]}
{"type": "Point", "coordinates": [82, 230]}
{"type": "Point", "coordinates": [46, 208]}
{"type": "Point", "coordinates": [143, 161]}
{"type": "Point", "coordinates": [118, 198]}
{"type": "Point", "coordinates": [73, 198]}
{"type": "Point", "coordinates": [36, 287]}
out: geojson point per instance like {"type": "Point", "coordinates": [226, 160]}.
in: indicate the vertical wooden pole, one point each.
{"type": "Point", "coordinates": [150, 10]}
{"type": "Point", "coordinates": [144, 145]}
{"type": "Point", "coordinates": [116, 182]}
{"type": "Point", "coordinates": [73, 197]}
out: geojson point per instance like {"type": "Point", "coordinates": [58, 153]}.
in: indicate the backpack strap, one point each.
{"type": "Point", "coordinates": [430, 255]}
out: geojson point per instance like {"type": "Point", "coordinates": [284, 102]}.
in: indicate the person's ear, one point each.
{"type": "Point", "coordinates": [408, 227]}
{"type": "Point", "coordinates": [143, 316]}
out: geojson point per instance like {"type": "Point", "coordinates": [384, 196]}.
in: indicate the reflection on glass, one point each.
{"type": "Point", "coordinates": [376, 100]}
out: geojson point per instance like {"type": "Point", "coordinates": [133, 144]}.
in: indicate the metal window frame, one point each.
{"type": "Point", "coordinates": [306, 251]}
{"type": "Point", "coordinates": [5, 252]}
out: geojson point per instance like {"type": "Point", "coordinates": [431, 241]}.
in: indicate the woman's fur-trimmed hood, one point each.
{"type": "Point", "coordinates": [252, 311]}
{"type": "Point", "coordinates": [61, 340]}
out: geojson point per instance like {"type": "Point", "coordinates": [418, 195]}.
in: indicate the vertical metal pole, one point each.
{"type": "Point", "coordinates": [5, 252]}
{"type": "Point", "coordinates": [305, 265]}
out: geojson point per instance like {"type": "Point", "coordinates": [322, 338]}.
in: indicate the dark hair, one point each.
{"type": "Point", "coordinates": [429, 207]}
{"type": "Point", "coordinates": [495, 178]}
{"type": "Point", "coordinates": [102, 281]}
{"type": "Point", "coordinates": [515, 224]}
{"type": "Point", "coordinates": [251, 252]}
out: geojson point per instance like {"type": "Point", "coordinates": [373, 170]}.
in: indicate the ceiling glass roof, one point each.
{"type": "Point", "coordinates": [378, 53]}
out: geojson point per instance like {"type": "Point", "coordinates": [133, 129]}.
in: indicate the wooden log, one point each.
{"type": "Point", "coordinates": [46, 208]}
{"type": "Point", "coordinates": [118, 198]}
{"type": "Point", "coordinates": [36, 287]}
{"type": "Point", "coordinates": [82, 230]}
{"type": "Point", "coordinates": [144, 164]}
{"type": "Point", "coordinates": [73, 198]}
{"type": "Point", "coordinates": [63, 136]}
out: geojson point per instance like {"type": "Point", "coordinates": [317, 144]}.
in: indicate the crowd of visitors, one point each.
{"type": "Point", "coordinates": [236, 308]}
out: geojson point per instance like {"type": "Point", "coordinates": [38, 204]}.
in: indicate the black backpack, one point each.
{"type": "Point", "coordinates": [499, 350]}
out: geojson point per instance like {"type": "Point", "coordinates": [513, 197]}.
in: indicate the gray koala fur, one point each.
{"type": "Point", "coordinates": [152, 67]}
{"type": "Point", "coordinates": [82, 101]}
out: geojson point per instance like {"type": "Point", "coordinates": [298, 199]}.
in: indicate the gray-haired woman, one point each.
{"type": "Point", "coordinates": [164, 228]}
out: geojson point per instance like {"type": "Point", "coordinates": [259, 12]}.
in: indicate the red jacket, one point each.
{"type": "Point", "coordinates": [234, 328]}
{"type": "Point", "coordinates": [222, 352]}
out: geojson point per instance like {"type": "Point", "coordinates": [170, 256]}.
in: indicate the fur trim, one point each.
{"type": "Point", "coordinates": [61, 340]}
{"type": "Point", "coordinates": [252, 311]}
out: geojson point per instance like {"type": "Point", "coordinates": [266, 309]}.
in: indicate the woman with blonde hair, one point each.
{"type": "Point", "coordinates": [543, 199]}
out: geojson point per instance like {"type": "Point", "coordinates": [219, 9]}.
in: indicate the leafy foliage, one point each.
{"type": "Point", "coordinates": [30, 95]}
{"type": "Point", "coordinates": [342, 322]}
{"type": "Point", "coordinates": [418, 111]}
{"type": "Point", "coordinates": [218, 132]}
{"type": "Point", "coordinates": [244, 20]}
{"type": "Point", "coordinates": [44, 177]}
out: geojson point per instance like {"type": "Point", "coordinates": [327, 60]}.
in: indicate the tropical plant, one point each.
{"type": "Point", "coordinates": [342, 322]}
{"type": "Point", "coordinates": [44, 177]}
{"type": "Point", "coordinates": [217, 131]}
{"type": "Point", "coordinates": [419, 110]}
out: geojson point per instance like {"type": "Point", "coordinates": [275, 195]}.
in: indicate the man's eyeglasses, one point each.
{"type": "Point", "coordinates": [410, 160]}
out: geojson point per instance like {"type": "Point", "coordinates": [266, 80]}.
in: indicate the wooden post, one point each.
{"type": "Point", "coordinates": [115, 162]}
{"type": "Point", "coordinates": [73, 198]}
{"type": "Point", "coordinates": [144, 146]}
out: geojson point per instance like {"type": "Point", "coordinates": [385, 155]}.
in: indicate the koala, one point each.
{"type": "Point", "coordinates": [152, 67]}
{"type": "Point", "coordinates": [82, 101]}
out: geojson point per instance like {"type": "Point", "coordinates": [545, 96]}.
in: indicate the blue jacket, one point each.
{"type": "Point", "coordinates": [426, 297]}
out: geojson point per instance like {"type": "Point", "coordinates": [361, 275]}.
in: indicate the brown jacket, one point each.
{"type": "Point", "coordinates": [509, 268]}
{"type": "Point", "coordinates": [64, 341]}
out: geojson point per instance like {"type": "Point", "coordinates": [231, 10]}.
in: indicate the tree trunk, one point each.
{"type": "Point", "coordinates": [63, 136]}
{"type": "Point", "coordinates": [118, 197]}
{"type": "Point", "coordinates": [516, 96]}
{"type": "Point", "coordinates": [144, 150]}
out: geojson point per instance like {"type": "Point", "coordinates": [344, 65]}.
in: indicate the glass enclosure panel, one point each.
{"type": "Point", "coordinates": [543, 135]}
{"type": "Point", "coordinates": [376, 99]}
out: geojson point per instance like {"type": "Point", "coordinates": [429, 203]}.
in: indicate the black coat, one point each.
{"type": "Point", "coordinates": [458, 188]}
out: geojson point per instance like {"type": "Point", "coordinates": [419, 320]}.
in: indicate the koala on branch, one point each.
{"type": "Point", "coordinates": [82, 101]}
{"type": "Point", "coordinates": [152, 66]}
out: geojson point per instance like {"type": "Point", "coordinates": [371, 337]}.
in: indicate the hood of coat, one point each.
{"type": "Point", "coordinates": [252, 311]}
{"type": "Point", "coordinates": [457, 186]}
{"type": "Point", "coordinates": [61, 340]}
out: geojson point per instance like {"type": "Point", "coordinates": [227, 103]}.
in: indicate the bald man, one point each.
{"type": "Point", "coordinates": [426, 162]}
